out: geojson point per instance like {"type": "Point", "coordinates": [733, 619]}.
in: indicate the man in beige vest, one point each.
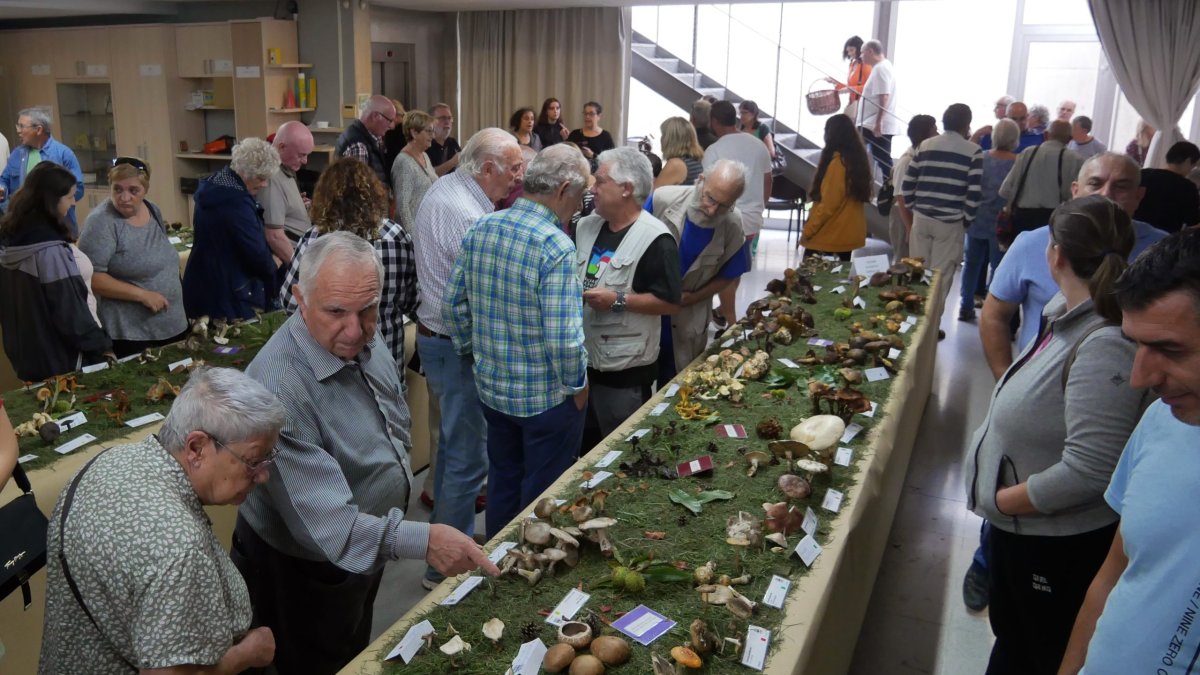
{"type": "Point", "coordinates": [628, 263]}
{"type": "Point", "coordinates": [713, 253]}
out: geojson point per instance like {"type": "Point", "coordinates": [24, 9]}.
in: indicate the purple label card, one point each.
{"type": "Point", "coordinates": [820, 342]}
{"type": "Point", "coordinates": [227, 350]}
{"type": "Point", "coordinates": [643, 624]}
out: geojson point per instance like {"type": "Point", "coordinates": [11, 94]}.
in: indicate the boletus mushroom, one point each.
{"type": "Point", "coordinates": [685, 657]}
{"type": "Point", "coordinates": [586, 664]}
{"type": "Point", "coordinates": [611, 650]}
{"type": "Point", "coordinates": [558, 658]}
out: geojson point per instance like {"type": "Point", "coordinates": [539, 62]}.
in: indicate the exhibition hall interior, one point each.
{"type": "Point", "coordinates": [853, 337]}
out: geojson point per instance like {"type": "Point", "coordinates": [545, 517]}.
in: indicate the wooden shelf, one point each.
{"type": "Point", "coordinates": [200, 155]}
{"type": "Point", "coordinates": [213, 107]}
{"type": "Point", "coordinates": [288, 111]}
{"type": "Point", "coordinates": [292, 66]}
{"type": "Point", "coordinates": [326, 130]}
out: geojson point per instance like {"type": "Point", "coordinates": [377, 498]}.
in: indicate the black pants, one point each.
{"type": "Point", "coordinates": [319, 613]}
{"type": "Point", "coordinates": [843, 256]}
{"type": "Point", "coordinates": [123, 348]}
{"type": "Point", "coordinates": [880, 148]}
{"type": "Point", "coordinates": [1037, 585]}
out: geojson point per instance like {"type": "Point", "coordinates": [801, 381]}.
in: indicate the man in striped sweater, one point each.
{"type": "Point", "coordinates": [941, 187]}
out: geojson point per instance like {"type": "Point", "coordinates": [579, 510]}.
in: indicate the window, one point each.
{"type": "Point", "coordinates": [1057, 12]}
{"type": "Point", "coordinates": [1062, 70]}
{"type": "Point", "coordinates": [647, 110]}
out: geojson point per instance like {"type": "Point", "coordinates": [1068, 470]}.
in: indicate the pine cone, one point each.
{"type": "Point", "coordinates": [531, 630]}
{"type": "Point", "coordinates": [593, 622]}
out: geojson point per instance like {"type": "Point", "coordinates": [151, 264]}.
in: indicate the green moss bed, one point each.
{"type": "Point", "coordinates": [641, 505]}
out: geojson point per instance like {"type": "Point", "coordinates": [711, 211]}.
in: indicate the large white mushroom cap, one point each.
{"type": "Point", "coordinates": [819, 432]}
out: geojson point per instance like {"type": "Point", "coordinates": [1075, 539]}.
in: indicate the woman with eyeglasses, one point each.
{"type": "Point", "coordinates": [841, 187]}
{"type": "Point", "coordinates": [1058, 421]}
{"type": "Point", "coordinates": [48, 328]}
{"type": "Point", "coordinates": [412, 172]}
{"type": "Point", "coordinates": [230, 272]}
{"type": "Point", "coordinates": [136, 268]}
{"type": "Point", "coordinates": [550, 128]}
{"type": "Point", "coordinates": [591, 138]}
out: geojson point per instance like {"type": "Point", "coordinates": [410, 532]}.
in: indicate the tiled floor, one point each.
{"type": "Point", "coordinates": [916, 622]}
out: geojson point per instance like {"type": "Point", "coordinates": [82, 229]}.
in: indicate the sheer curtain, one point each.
{"type": "Point", "coordinates": [1152, 47]}
{"type": "Point", "coordinates": [509, 59]}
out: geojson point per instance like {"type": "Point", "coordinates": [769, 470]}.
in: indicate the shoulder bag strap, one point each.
{"type": "Point", "coordinates": [1060, 159]}
{"type": "Point", "coordinates": [66, 570]}
{"type": "Point", "coordinates": [1024, 174]}
{"type": "Point", "coordinates": [21, 479]}
{"type": "Point", "coordinates": [1066, 373]}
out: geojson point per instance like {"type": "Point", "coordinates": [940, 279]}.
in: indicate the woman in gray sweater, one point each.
{"type": "Point", "coordinates": [136, 278]}
{"type": "Point", "coordinates": [1038, 466]}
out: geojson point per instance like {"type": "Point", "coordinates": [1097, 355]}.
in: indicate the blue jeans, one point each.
{"type": "Point", "coordinates": [462, 440]}
{"type": "Point", "coordinates": [981, 253]}
{"type": "Point", "coordinates": [984, 549]}
{"type": "Point", "coordinates": [526, 455]}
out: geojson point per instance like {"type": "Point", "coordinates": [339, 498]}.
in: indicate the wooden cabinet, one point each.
{"type": "Point", "coordinates": [92, 197]}
{"type": "Point", "coordinates": [204, 50]}
{"type": "Point", "coordinates": [260, 87]}
{"type": "Point", "coordinates": [32, 74]}
{"type": "Point", "coordinates": [78, 53]}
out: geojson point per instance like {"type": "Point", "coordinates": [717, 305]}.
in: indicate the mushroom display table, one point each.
{"type": "Point", "coordinates": [825, 608]}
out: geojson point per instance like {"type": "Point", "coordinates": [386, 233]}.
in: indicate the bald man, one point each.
{"type": "Point", "coordinates": [285, 209]}
{"type": "Point", "coordinates": [363, 138]}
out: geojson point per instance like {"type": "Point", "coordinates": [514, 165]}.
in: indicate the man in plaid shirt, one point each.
{"type": "Point", "coordinates": [514, 303]}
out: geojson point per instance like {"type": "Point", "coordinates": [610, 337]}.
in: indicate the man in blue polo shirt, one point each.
{"type": "Point", "coordinates": [713, 252]}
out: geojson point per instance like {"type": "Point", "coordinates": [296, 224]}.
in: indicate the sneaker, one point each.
{"type": "Point", "coordinates": [966, 314]}
{"type": "Point", "coordinates": [941, 335]}
{"type": "Point", "coordinates": [975, 588]}
{"type": "Point", "coordinates": [719, 320]}
{"type": "Point", "coordinates": [429, 584]}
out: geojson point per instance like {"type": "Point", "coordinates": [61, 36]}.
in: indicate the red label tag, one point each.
{"type": "Point", "coordinates": [695, 467]}
{"type": "Point", "coordinates": [731, 430]}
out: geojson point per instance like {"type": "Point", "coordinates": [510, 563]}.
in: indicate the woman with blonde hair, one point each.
{"type": "Point", "coordinates": [412, 171]}
{"type": "Point", "coordinates": [681, 153]}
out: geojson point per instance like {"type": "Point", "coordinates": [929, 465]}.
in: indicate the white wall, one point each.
{"type": "Point", "coordinates": [432, 37]}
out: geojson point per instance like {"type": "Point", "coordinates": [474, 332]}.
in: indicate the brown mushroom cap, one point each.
{"type": "Point", "coordinates": [537, 532]}
{"type": "Point", "coordinates": [788, 448]}
{"type": "Point", "coordinates": [793, 486]}
{"type": "Point", "coordinates": [558, 658]}
{"type": "Point", "coordinates": [586, 664]}
{"type": "Point", "coordinates": [685, 657]}
{"type": "Point", "coordinates": [782, 517]}
{"type": "Point", "coordinates": [611, 650]}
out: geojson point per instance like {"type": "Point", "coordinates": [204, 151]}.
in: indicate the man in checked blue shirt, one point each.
{"type": "Point", "coordinates": [514, 303]}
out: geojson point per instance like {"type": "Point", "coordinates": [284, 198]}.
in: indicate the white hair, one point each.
{"type": "Point", "coordinates": [730, 170]}
{"type": "Point", "coordinates": [254, 158]}
{"type": "Point", "coordinates": [225, 403]}
{"type": "Point", "coordinates": [874, 45]}
{"type": "Point", "coordinates": [345, 247]}
{"type": "Point", "coordinates": [1041, 112]}
{"type": "Point", "coordinates": [40, 117]}
{"type": "Point", "coordinates": [557, 164]}
{"type": "Point", "coordinates": [629, 165]}
{"type": "Point", "coordinates": [491, 143]}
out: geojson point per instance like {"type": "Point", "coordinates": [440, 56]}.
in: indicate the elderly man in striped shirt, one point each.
{"type": "Point", "coordinates": [514, 303]}
{"type": "Point", "coordinates": [942, 189]}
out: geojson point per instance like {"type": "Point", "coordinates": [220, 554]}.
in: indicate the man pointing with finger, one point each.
{"type": "Point", "coordinates": [313, 543]}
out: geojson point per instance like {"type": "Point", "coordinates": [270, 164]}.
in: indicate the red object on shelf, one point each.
{"type": "Point", "coordinates": [289, 99]}
{"type": "Point", "coordinates": [222, 145]}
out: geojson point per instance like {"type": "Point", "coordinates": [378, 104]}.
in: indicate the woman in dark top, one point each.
{"type": "Point", "coordinates": [748, 111]}
{"type": "Point", "coordinates": [550, 128]}
{"type": "Point", "coordinates": [521, 124]}
{"type": "Point", "coordinates": [681, 153]}
{"type": "Point", "coordinates": [591, 139]}
{"type": "Point", "coordinates": [48, 328]}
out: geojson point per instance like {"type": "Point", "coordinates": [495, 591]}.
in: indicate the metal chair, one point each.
{"type": "Point", "coordinates": [787, 196]}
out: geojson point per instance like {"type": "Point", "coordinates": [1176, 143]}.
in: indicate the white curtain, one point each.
{"type": "Point", "coordinates": [1154, 49]}
{"type": "Point", "coordinates": [514, 58]}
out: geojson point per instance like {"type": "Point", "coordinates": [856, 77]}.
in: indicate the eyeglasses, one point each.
{"type": "Point", "coordinates": [23, 127]}
{"type": "Point", "coordinates": [708, 199]}
{"type": "Point", "coordinates": [132, 161]}
{"type": "Point", "coordinates": [444, 118]}
{"type": "Point", "coordinates": [390, 120]}
{"type": "Point", "coordinates": [252, 467]}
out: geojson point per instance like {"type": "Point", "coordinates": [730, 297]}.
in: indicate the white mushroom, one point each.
{"type": "Point", "coordinates": [819, 432]}
{"type": "Point", "coordinates": [564, 538]}
{"type": "Point", "coordinates": [454, 646]}
{"type": "Point", "coordinates": [550, 557]}
{"type": "Point", "coordinates": [598, 531]}
{"type": "Point", "coordinates": [778, 538]}
{"type": "Point", "coordinates": [537, 532]}
{"type": "Point", "coordinates": [493, 629]}
{"type": "Point", "coordinates": [715, 594]}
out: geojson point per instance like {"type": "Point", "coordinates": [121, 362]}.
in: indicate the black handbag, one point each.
{"type": "Point", "coordinates": [887, 194]}
{"type": "Point", "coordinates": [23, 546]}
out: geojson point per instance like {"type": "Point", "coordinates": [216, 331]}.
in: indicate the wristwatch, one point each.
{"type": "Point", "coordinates": [618, 304]}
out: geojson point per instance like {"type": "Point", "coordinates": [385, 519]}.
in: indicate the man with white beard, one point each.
{"type": "Point", "coordinates": [713, 252]}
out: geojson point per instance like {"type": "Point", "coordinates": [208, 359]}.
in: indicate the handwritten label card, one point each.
{"type": "Point", "coordinates": [870, 264]}
{"type": "Point", "coordinates": [893, 354]}
{"type": "Point", "coordinates": [637, 434]}
{"type": "Point", "coordinates": [810, 523]}
{"type": "Point", "coordinates": [789, 363]}
{"type": "Point", "coordinates": [529, 658]}
{"type": "Point", "coordinates": [727, 344]}
{"type": "Point", "coordinates": [103, 365]}
{"type": "Point", "coordinates": [859, 302]}
{"type": "Point", "coordinates": [75, 444]}
{"type": "Point", "coordinates": [808, 549]}
{"type": "Point", "coordinates": [181, 364]}
{"type": "Point", "coordinates": [500, 551]}
{"type": "Point", "coordinates": [671, 391]}
{"type": "Point", "coordinates": [71, 421]}
{"type": "Point", "coordinates": [659, 409]}
{"type": "Point", "coordinates": [843, 456]}
{"type": "Point", "coordinates": [144, 420]}
{"type": "Point", "coordinates": [910, 319]}
{"type": "Point", "coordinates": [469, 584]}
{"type": "Point", "coordinates": [851, 431]}
{"type": "Point", "coordinates": [905, 327]}
{"type": "Point", "coordinates": [643, 624]}
{"type": "Point", "coordinates": [411, 643]}
{"type": "Point", "coordinates": [565, 610]}
{"type": "Point", "coordinates": [838, 289]}
{"type": "Point", "coordinates": [871, 412]}
{"type": "Point", "coordinates": [610, 457]}
{"type": "Point", "coordinates": [777, 592]}
{"type": "Point", "coordinates": [26, 458]}
{"type": "Point", "coordinates": [596, 479]}
{"type": "Point", "coordinates": [876, 374]}
{"type": "Point", "coordinates": [833, 500]}
{"type": "Point", "coordinates": [757, 641]}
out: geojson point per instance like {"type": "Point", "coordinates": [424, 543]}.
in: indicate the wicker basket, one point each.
{"type": "Point", "coordinates": [824, 101]}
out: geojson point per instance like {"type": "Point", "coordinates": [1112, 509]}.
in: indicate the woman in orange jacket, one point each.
{"type": "Point", "coordinates": [841, 186]}
{"type": "Point", "coordinates": [856, 78]}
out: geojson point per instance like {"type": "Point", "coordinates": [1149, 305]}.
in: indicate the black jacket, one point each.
{"type": "Point", "coordinates": [48, 329]}
{"type": "Point", "coordinates": [356, 132]}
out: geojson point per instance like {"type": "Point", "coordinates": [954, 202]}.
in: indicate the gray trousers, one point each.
{"type": "Point", "coordinates": [609, 407]}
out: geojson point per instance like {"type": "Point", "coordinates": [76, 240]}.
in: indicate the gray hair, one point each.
{"type": "Point", "coordinates": [487, 144]}
{"type": "Point", "coordinates": [730, 170]}
{"type": "Point", "coordinates": [254, 158]}
{"type": "Point", "coordinates": [1005, 101]}
{"type": "Point", "coordinates": [1006, 135]}
{"type": "Point", "coordinates": [874, 45]}
{"type": "Point", "coordinates": [344, 246]}
{"type": "Point", "coordinates": [375, 104]}
{"type": "Point", "coordinates": [1130, 164]}
{"type": "Point", "coordinates": [1041, 112]}
{"type": "Point", "coordinates": [39, 116]}
{"type": "Point", "coordinates": [700, 112]}
{"type": "Point", "coordinates": [557, 164]}
{"type": "Point", "coordinates": [629, 165]}
{"type": "Point", "coordinates": [224, 402]}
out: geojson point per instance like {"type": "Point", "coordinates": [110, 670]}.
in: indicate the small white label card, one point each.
{"type": "Point", "coordinates": [144, 420]}
{"type": "Point", "coordinates": [876, 374]}
{"type": "Point", "coordinates": [910, 319]}
{"type": "Point", "coordinates": [731, 430]}
{"type": "Point", "coordinates": [411, 643]}
{"type": "Point", "coordinates": [777, 592]}
{"type": "Point", "coordinates": [71, 421]}
{"type": "Point", "coordinates": [789, 363]}
{"type": "Point", "coordinates": [222, 66]}
{"type": "Point", "coordinates": [927, 277]}
{"type": "Point", "coordinates": [833, 500]}
{"type": "Point", "coordinates": [75, 444]}
{"type": "Point", "coordinates": [40, 69]}
{"type": "Point", "coordinates": [26, 458]}
{"type": "Point", "coordinates": [610, 457]}
{"type": "Point", "coordinates": [727, 344]}
{"type": "Point", "coordinates": [182, 363]}
{"type": "Point", "coordinates": [871, 412]}
{"type": "Point", "coordinates": [469, 584]}
{"type": "Point", "coordinates": [836, 269]}
{"type": "Point", "coordinates": [838, 289]}
{"type": "Point", "coordinates": [637, 434]}
{"type": "Point", "coordinates": [595, 480]}
{"type": "Point", "coordinates": [893, 354]}
{"type": "Point", "coordinates": [757, 641]}
{"type": "Point", "coordinates": [150, 69]}
{"type": "Point", "coordinates": [817, 289]}
{"type": "Point", "coordinates": [905, 327]}
{"type": "Point", "coordinates": [852, 430]}
{"type": "Point", "coordinates": [565, 610]}
{"type": "Point", "coordinates": [870, 264]}
{"type": "Point", "coordinates": [659, 409]}
{"type": "Point", "coordinates": [643, 624]}
{"type": "Point", "coordinates": [810, 523]}
{"type": "Point", "coordinates": [859, 302]}
{"type": "Point", "coordinates": [671, 391]}
{"type": "Point", "coordinates": [95, 367]}
{"type": "Point", "coordinates": [808, 549]}
{"type": "Point", "coordinates": [174, 240]}
{"type": "Point", "coordinates": [249, 71]}
{"type": "Point", "coordinates": [820, 342]}
{"type": "Point", "coordinates": [529, 658]}
{"type": "Point", "coordinates": [843, 456]}
{"type": "Point", "coordinates": [126, 359]}
{"type": "Point", "coordinates": [500, 551]}
{"type": "Point", "coordinates": [96, 70]}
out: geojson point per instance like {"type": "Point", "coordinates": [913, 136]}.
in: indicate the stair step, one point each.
{"type": "Point", "coordinates": [672, 65]}
{"type": "Point", "coordinates": [719, 92]}
{"type": "Point", "coordinates": [649, 50]}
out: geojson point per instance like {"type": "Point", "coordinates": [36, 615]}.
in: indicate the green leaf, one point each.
{"type": "Point", "coordinates": [686, 500]}
{"type": "Point", "coordinates": [666, 572]}
{"type": "Point", "coordinates": [780, 379]}
{"type": "Point", "coordinates": [713, 495]}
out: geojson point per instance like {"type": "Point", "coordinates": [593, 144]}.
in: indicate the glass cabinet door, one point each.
{"type": "Point", "coordinates": [86, 120]}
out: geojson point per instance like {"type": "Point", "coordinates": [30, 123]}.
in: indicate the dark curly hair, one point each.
{"type": "Point", "coordinates": [349, 198]}
{"type": "Point", "coordinates": [37, 201]}
{"type": "Point", "coordinates": [514, 122]}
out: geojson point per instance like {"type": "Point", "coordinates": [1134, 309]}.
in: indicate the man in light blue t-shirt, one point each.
{"type": "Point", "coordinates": [1140, 612]}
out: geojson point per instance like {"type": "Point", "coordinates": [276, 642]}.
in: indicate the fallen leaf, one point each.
{"type": "Point", "coordinates": [680, 564]}
{"type": "Point", "coordinates": [656, 536]}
